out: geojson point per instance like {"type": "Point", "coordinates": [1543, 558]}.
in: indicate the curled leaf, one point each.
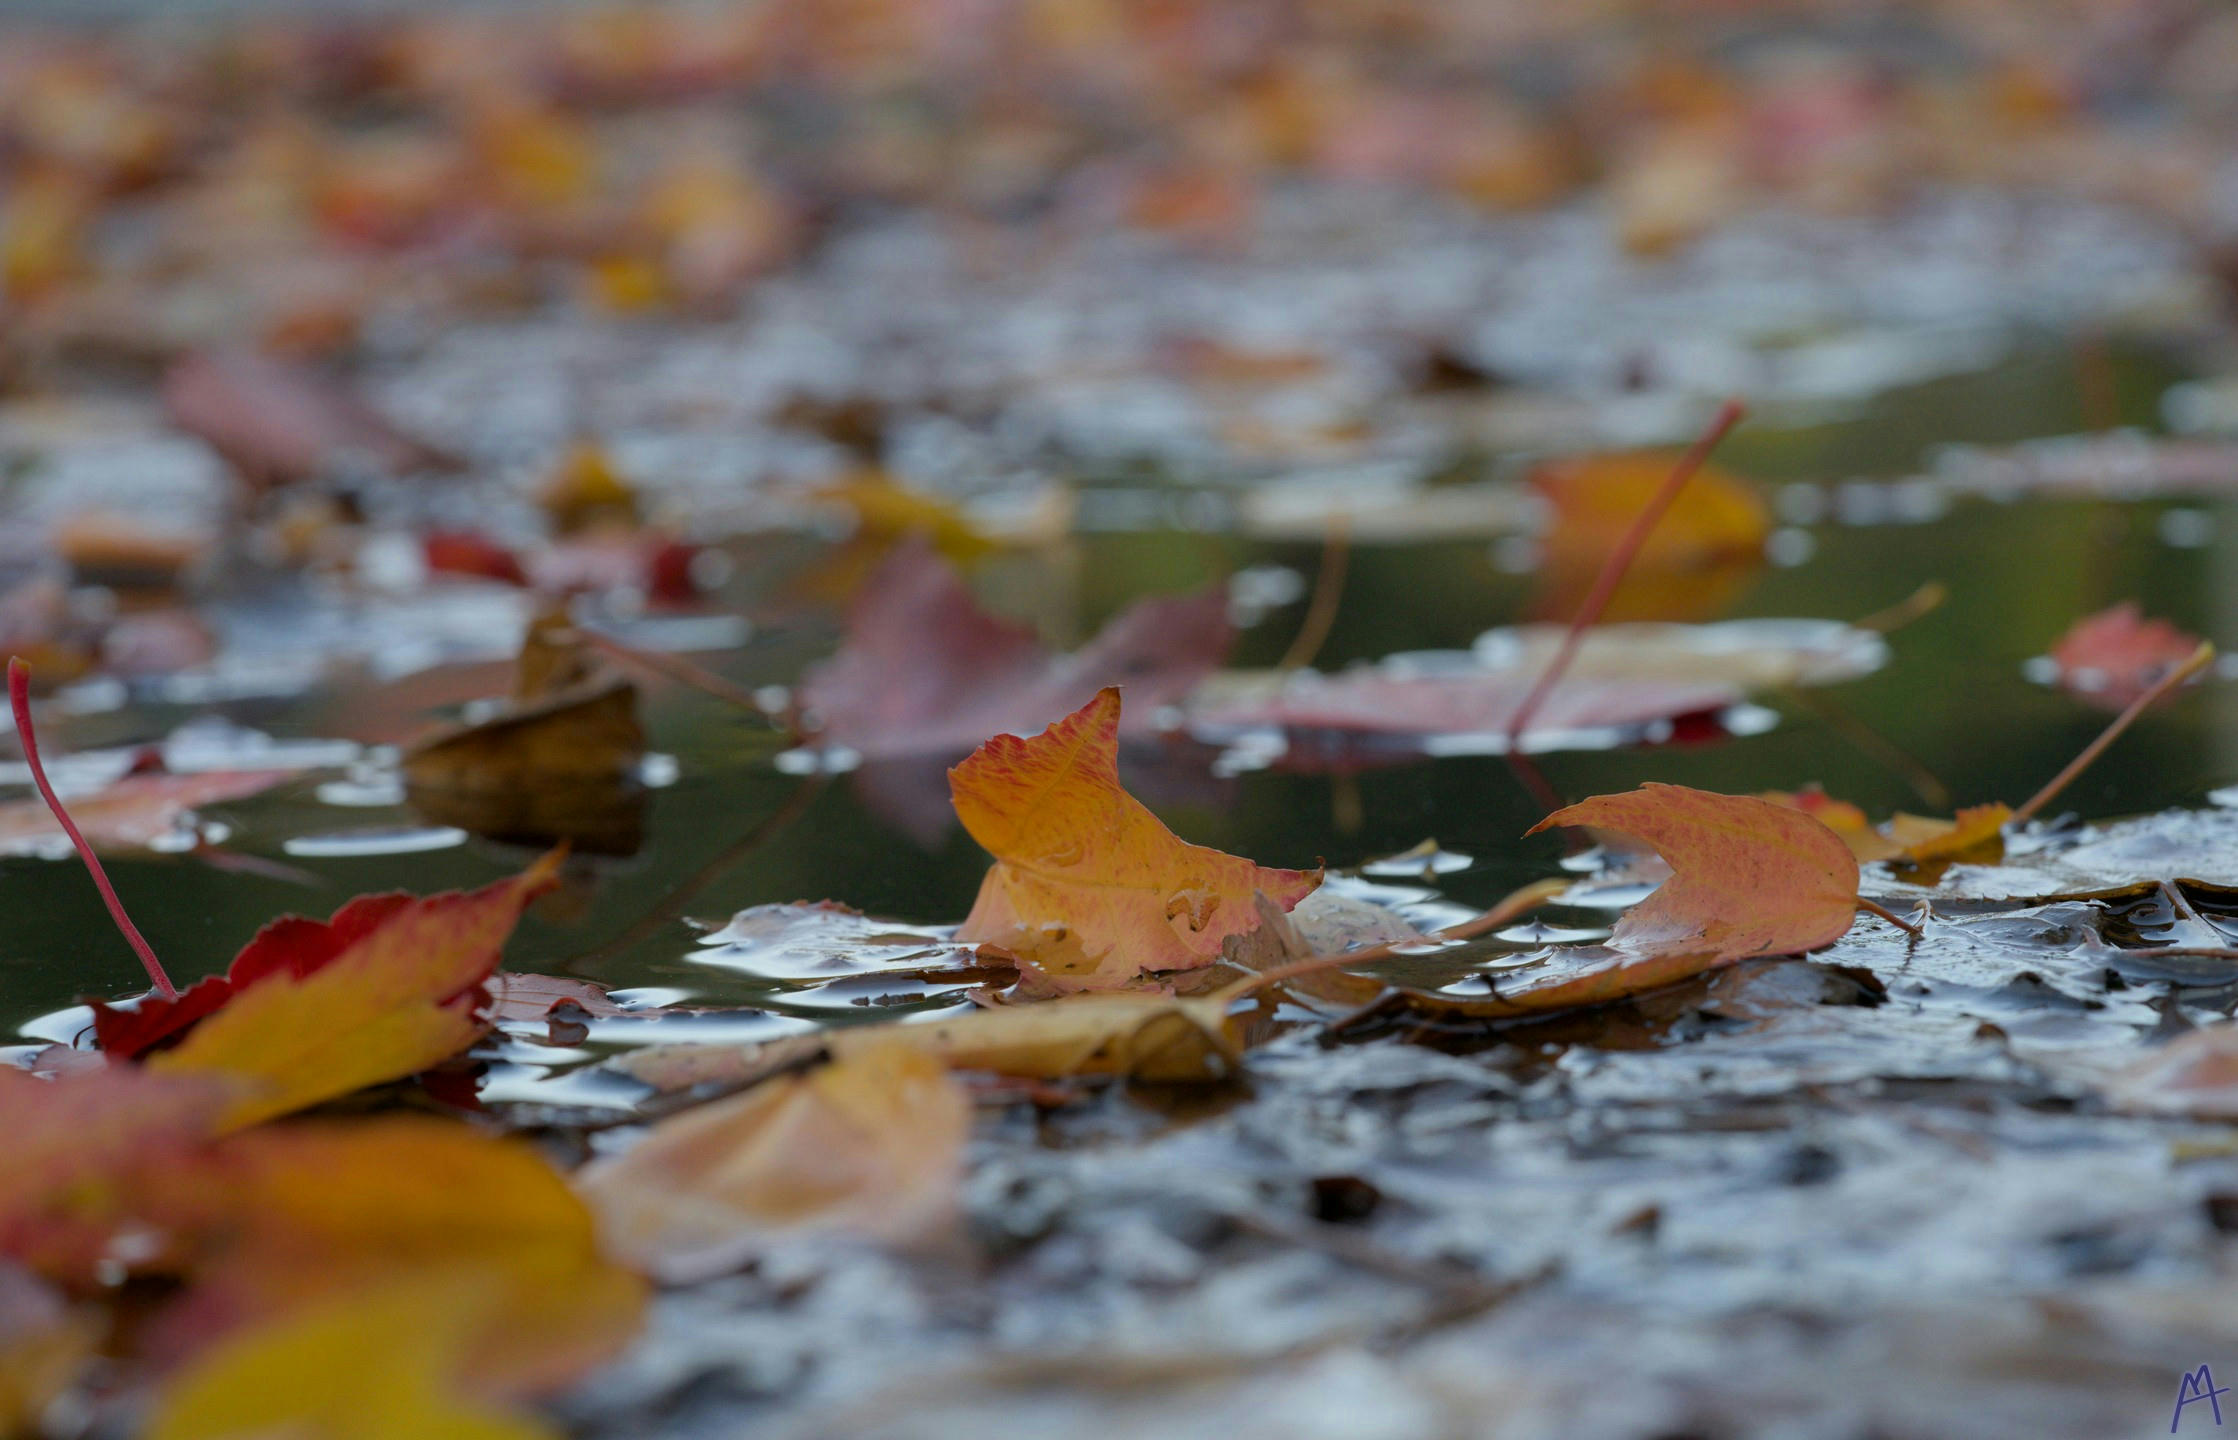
{"type": "Point", "coordinates": [1087, 886]}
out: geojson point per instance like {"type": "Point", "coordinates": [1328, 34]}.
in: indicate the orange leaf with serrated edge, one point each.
{"type": "Point", "coordinates": [1088, 887]}
{"type": "Point", "coordinates": [1748, 877]}
{"type": "Point", "coordinates": [404, 994]}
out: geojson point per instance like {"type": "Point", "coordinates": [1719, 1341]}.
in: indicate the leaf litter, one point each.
{"type": "Point", "coordinates": [1295, 1156]}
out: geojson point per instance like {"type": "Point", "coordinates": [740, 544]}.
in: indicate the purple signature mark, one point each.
{"type": "Point", "coordinates": [2191, 1389]}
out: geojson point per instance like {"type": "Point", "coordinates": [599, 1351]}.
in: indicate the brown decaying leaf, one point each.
{"type": "Point", "coordinates": [1088, 887]}
{"type": "Point", "coordinates": [925, 671]}
{"type": "Point", "coordinates": [557, 762]}
{"type": "Point", "coordinates": [872, 1142]}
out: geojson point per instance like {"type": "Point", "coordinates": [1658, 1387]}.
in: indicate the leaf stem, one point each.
{"type": "Point", "coordinates": [1620, 560]}
{"type": "Point", "coordinates": [1871, 908]}
{"type": "Point", "coordinates": [19, 700]}
{"type": "Point", "coordinates": [677, 668]}
{"type": "Point", "coordinates": [2111, 733]}
{"type": "Point", "coordinates": [1328, 590]}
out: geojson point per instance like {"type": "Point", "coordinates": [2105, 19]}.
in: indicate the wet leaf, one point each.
{"type": "Point", "coordinates": [872, 1142]}
{"type": "Point", "coordinates": [299, 1213]}
{"type": "Point", "coordinates": [2114, 656]}
{"type": "Point", "coordinates": [370, 1366]}
{"type": "Point", "coordinates": [276, 424]}
{"type": "Point", "coordinates": [1087, 886]}
{"type": "Point", "coordinates": [44, 1343]}
{"type": "Point", "coordinates": [1694, 560]}
{"type": "Point", "coordinates": [1748, 877]}
{"type": "Point", "coordinates": [925, 671]}
{"type": "Point", "coordinates": [1156, 1038]}
{"type": "Point", "coordinates": [133, 813]}
{"type": "Point", "coordinates": [310, 1011]}
{"type": "Point", "coordinates": [1400, 700]}
{"type": "Point", "coordinates": [80, 1148]}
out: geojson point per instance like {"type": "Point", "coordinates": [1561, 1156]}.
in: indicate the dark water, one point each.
{"type": "Point", "coordinates": [734, 831]}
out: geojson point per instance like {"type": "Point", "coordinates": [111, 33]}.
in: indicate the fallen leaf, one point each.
{"type": "Point", "coordinates": [558, 761]}
{"type": "Point", "coordinates": [1753, 654]}
{"type": "Point", "coordinates": [310, 1010]}
{"type": "Point", "coordinates": [2114, 656]}
{"type": "Point", "coordinates": [587, 491]}
{"type": "Point", "coordinates": [1087, 886]}
{"type": "Point", "coordinates": [1841, 817]}
{"type": "Point", "coordinates": [1402, 701]}
{"type": "Point", "coordinates": [2196, 1074]}
{"type": "Point", "coordinates": [1748, 877]}
{"type": "Point", "coordinates": [366, 1366]}
{"type": "Point", "coordinates": [44, 1342]}
{"type": "Point", "coordinates": [302, 1212]}
{"type": "Point", "coordinates": [872, 1142]}
{"type": "Point", "coordinates": [1693, 561]}
{"type": "Point", "coordinates": [136, 812]}
{"type": "Point", "coordinates": [276, 424]}
{"type": "Point", "coordinates": [527, 999]}
{"type": "Point", "coordinates": [1975, 833]}
{"type": "Point", "coordinates": [1155, 1038]}
{"type": "Point", "coordinates": [925, 671]}
{"type": "Point", "coordinates": [80, 1146]}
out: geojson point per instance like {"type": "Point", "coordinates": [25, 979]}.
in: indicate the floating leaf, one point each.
{"type": "Point", "coordinates": [1087, 885]}
{"type": "Point", "coordinates": [2112, 657]}
{"type": "Point", "coordinates": [132, 813]}
{"type": "Point", "coordinates": [925, 671]}
{"type": "Point", "coordinates": [1748, 877]}
{"type": "Point", "coordinates": [872, 1142]}
{"type": "Point", "coordinates": [1694, 560]}
{"type": "Point", "coordinates": [391, 985]}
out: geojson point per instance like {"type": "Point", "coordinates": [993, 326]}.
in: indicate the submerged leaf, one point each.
{"type": "Point", "coordinates": [1088, 886]}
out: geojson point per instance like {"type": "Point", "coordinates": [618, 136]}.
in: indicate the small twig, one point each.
{"type": "Point", "coordinates": [1328, 592]}
{"type": "Point", "coordinates": [1529, 898]}
{"type": "Point", "coordinates": [19, 700]}
{"type": "Point", "coordinates": [1872, 908]}
{"type": "Point", "coordinates": [1922, 602]}
{"type": "Point", "coordinates": [2111, 733]}
{"type": "Point", "coordinates": [1620, 559]}
{"type": "Point", "coordinates": [1873, 745]}
{"type": "Point", "coordinates": [676, 668]}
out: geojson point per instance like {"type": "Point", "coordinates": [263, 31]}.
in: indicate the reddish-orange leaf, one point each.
{"type": "Point", "coordinates": [389, 987]}
{"type": "Point", "coordinates": [78, 1146]}
{"type": "Point", "coordinates": [2112, 657]}
{"type": "Point", "coordinates": [1087, 885]}
{"type": "Point", "coordinates": [1748, 877]}
{"type": "Point", "coordinates": [1713, 532]}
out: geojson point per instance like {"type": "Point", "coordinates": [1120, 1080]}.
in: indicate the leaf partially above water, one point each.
{"type": "Point", "coordinates": [1087, 886]}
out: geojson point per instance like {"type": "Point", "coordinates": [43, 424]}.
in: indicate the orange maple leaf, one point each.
{"type": "Point", "coordinates": [1748, 876]}
{"type": "Point", "coordinates": [1087, 886]}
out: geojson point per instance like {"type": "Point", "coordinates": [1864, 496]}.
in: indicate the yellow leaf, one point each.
{"type": "Point", "coordinates": [324, 1208]}
{"type": "Point", "coordinates": [1087, 886]}
{"type": "Point", "coordinates": [362, 1366]}
{"type": "Point", "coordinates": [400, 998]}
{"type": "Point", "coordinates": [872, 1143]}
